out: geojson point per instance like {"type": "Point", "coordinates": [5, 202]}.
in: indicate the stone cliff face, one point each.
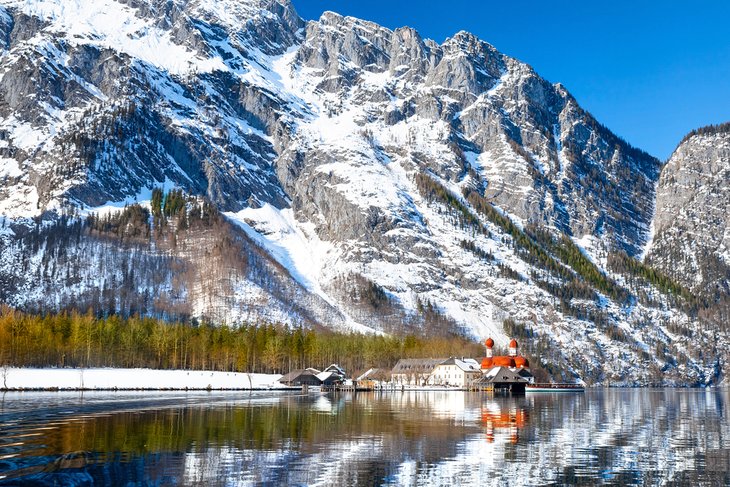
{"type": "Point", "coordinates": [376, 178]}
{"type": "Point", "coordinates": [486, 118]}
{"type": "Point", "coordinates": [103, 99]}
{"type": "Point", "coordinates": [94, 115]}
{"type": "Point", "coordinates": [692, 222]}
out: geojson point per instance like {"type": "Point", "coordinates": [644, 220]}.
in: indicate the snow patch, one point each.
{"type": "Point", "coordinates": [113, 25]}
{"type": "Point", "coordinates": [302, 254]}
{"type": "Point", "coordinates": [9, 168]}
{"type": "Point", "coordinates": [296, 247]}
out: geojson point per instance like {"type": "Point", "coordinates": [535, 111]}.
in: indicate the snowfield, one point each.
{"type": "Point", "coordinates": [107, 379]}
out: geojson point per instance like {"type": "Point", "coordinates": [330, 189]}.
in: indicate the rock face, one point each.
{"type": "Point", "coordinates": [692, 222]}
{"type": "Point", "coordinates": [103, 99]}
{"type": "Point", "coordinates": [462, 110]}
{"type": "Point", "coordinates": [395, 183]}
{"type": "Point", "coordinates": [96, 114]}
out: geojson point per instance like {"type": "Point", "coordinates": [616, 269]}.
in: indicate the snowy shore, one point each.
{"type": "Point", "coordinates": [12, 378]}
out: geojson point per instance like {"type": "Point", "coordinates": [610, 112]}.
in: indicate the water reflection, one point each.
{"type": "Point", "coordinates": [608, 436]}
{"type": "Point", "coordinates": [501, 417]}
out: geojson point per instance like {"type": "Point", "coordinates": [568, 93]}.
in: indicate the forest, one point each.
{"type": "Point", "coordinates": [73, 339]}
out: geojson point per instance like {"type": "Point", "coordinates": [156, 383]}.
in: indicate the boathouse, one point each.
{"type": "Point", "coordinates": [503, 378]}
{"type": "Point", "coordinates": [301, 377]}
{"type": "Point", "coordinates": [330, 378]}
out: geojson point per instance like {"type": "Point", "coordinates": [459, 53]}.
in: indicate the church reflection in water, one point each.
{"type": "Point", "coordinates": [504, 420]}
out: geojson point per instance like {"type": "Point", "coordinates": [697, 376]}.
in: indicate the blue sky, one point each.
{"type": "Point", "coordinates": [650, 71]}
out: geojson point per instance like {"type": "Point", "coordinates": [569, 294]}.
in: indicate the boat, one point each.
{"type": "Point", "coordinates": [554, 387]}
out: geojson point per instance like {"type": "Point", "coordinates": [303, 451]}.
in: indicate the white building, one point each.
{"type": "Point", "coordinates": [455, 372]}
{"type": "Point", "coordinates": [414, 371]}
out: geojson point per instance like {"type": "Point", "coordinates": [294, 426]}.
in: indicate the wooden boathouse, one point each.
{"type": "Point", "coordinates": [501, 379]}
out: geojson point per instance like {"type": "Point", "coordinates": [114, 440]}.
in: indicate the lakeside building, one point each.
{"type": "Point", "coordinates": [375, 374]}
{"type": "Point", "coordinates": [512, 360]}
{"type": "Point", "coordinates": [510, 372]}
{"type": "Point", "coordinates": [301, 377]}
{"type": "Point", "coordinates": [455, 372]}
{"type": "Point", "coordinates": [503, 378]}
{"type": "Point", "coordinates": [373, 378]}
{"type": "Point", "coordinates": [413, 371]}
{"type": "Point", "coordinates": [332, 375]}
{"type": "Point", "coordinates": [507, 372]}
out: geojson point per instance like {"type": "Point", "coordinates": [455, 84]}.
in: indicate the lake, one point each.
{"type": "Point", "coordinates": [604, 436]}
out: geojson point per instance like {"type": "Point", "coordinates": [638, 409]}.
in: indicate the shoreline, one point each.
{"type": "Point", "coordinates": [53, 379]}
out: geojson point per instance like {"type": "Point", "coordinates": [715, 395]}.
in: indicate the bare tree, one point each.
{"type": "Point", "coordinates": [5, 372]}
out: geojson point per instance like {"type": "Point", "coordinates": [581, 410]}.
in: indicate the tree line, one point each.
{"type": "Point", "coordinates": [722, 128]}
{"type": "Point", "coordinates": [74, 339]}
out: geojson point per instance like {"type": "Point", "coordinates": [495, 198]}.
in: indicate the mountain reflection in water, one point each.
{"type": "Point", "coordinates": [647, 437]}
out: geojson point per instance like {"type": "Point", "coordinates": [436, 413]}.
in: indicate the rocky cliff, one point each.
{"type": "Point", "coordinates": [691, 239]}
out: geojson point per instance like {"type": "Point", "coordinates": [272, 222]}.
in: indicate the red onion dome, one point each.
{"type": "Point", "coordinates": [503, 361]}
{"type": "Point", "coordinates": [489, 343]}
{"type": "Point", "coordinates": [513, 343]}
{"type": "Point", "coordinates": [522, 362]}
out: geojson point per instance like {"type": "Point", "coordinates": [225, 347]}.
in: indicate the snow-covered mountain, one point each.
{"type": "Point", "coordinates": [369, 178]}
{"type": "Point", "coordinates": [692, 223]}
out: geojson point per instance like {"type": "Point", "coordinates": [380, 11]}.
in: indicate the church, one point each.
{"type": "Point", "coordinates": [511, 371]}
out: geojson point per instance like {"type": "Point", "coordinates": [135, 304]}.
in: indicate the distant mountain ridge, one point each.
{"type": "Point", "coordinates": [370, 179]}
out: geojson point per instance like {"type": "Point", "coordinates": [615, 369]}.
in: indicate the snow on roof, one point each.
{"type": "Point", "coordinates": [465, 364]}
{"type": "Point", "coordinates": [367, 374]}
{"type": "Point", "coordinates": [375, 374]}
{"type": "Point", "coordinates": [326, 375]}
{"type": "Point", "coordinates": [335, 368]}
{"type": "Point", "coordinates": [502, 374]}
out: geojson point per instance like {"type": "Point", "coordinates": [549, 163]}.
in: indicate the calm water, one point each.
{"type": "Point", "coordinates": [646, 437]}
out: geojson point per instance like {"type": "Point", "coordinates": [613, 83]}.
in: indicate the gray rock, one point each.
{"type": "Point", "coordinates": [692, 241]}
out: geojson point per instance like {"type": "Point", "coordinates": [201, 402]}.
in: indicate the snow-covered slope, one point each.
{"type": "Point", "coordinates": [397, 184]}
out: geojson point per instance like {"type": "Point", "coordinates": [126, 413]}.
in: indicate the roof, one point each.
{"type": "Point", "coordinates": [471, 361]}
{"type": "Point", "coordinates": [375, 374]}
{"type": "Point", "coordinates": [330, 377]}
{"type": "Point", "coordinates": [296, 373]}
{"type": "Point", "coordinates": [367, 374]}
{"type": "Point", "coordinates": [416, 365]}
{"type": "Point", "coordinates": [465, 364]}
{"type": "Point", "coordinates": [501, 374]}
{"type": "Point", "coordinates": [524, 373]}
{"type": "Point", "coordinates": [323, 376]}
{"type": "Point", "coordinates": [335, 368]}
